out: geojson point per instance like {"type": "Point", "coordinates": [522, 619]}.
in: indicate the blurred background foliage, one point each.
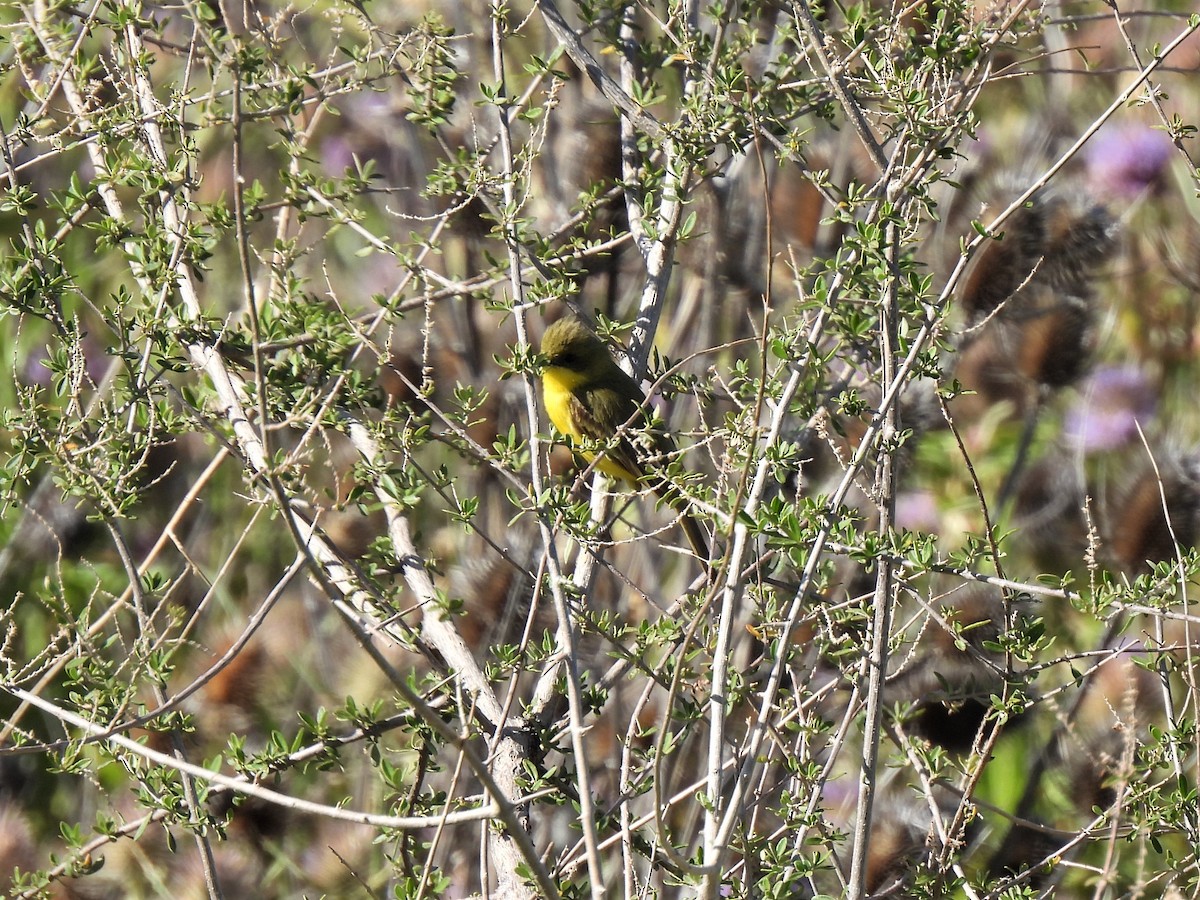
{"type": "Point", "coordinates": [273, 271]}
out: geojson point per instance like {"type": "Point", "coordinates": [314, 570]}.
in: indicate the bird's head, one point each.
{"type": "Point", "coordinates": [569, 346]}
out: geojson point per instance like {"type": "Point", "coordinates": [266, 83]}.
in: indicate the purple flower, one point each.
{"type": "Point", "coordinates": [917, 511]}
{"type": "Point", "coordinates": [1128, 160]}
{"type": "Point", "coordinates": [364, 131]}
{"type": "Point", "coordinates": [36, 370]}
{"type": "Point", "coordinates": [1112, 403]}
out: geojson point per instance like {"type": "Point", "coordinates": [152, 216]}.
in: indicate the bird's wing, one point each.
{"type": "Point", "coordinates": [590, 409]}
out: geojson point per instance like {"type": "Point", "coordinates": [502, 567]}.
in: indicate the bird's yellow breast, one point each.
{"type": "Point", "coordinates": [558, 384]}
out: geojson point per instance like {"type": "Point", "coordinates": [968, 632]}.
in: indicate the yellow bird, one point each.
{"type": "Point", "coordinates": [589, 398]}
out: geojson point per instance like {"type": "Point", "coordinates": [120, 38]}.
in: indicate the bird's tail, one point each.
{"type": "Point", "coordinates": [692, 530]}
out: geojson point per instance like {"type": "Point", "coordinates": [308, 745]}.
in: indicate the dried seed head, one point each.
{"type": "Point", "coordinates": [1120, 699]}
{"type": "Point", "coordinates": [894, 842]}
{"type": "Point", "coordinates": [241, 681]}
{"type": "Point", "coordinates": [496, 593]}
{"type": "Point", "coordinates": [398, 376]}
{"type": "Point", "coordinates": [1080, 235]}
{"type": "Point", "coordinates": [1024, 847]}
{"type": "Point", "coordinates": [954, 675]}
{"type": "Point", "coordinates": [1056, 240]}
{"type": "Point", "coordinates": [1139, 532]}
{"type": "Point", "coordinates": [984, 367]}
{"type": "Point", "coordinates": [1004, 263]}
{"type": "Point", "coordinates": [17, 847]}
{"type": "Point", "coordinates": [1048, 507]}
{"type": "Point", "coordinates": [1056, 339]}
{"type": "Point", "coordinates": [1043, 342]}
